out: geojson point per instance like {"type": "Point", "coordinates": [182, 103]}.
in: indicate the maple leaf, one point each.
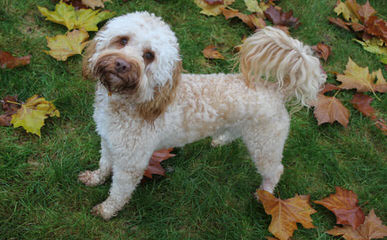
{"type": "Point", "coordinates": [286, 213]}
{"type": "Point", "coordinates": [95, 3]}
{"type": "Point", "coordinates": [64, 46]}
{"type": "Point", "coordinates": [346, 11]}
{"type": "Point", "coordinates": [376, 27]}
{"type": "Point", "coordinates": [67, 15]}
{"type": "Point", "coordinates": [330, 109]}
{"type": "Point", "coordinates": [154, 166]}
{"type": "Point", "coordinates": [339, 22]}
{"type": "Point", "coordinates": [344, 204]}
{"type": "Point", "coordinates": [252, 6]}
{"type": "Point", "coordinates": [372, 228]}
{"type": "Point", "coordinates": [212, 9]}
{"type": "Point", "coordinates": [322, 50]}
{"type": "Point", "coordinates": [366, 11]}
{"type": "Point", "coordinates": [211, 53]}
{"type": "Point", "coordinates": [252, 20]}
{"type": "Point", "coordinates": [278, 17]}
{"type": "Point", "coordinates": [10, 106]}
{"type": "Point", "coordinates": [9, 61]}
{"type": "Point", "coordinates": [32, 114]}
{"type": "Point", "coordinates": [363, 104]}
{"type": "Point", "coordinates": [359, 78]}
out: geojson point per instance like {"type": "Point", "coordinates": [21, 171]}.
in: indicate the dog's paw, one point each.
{"type": "Point", "coordinates": [89, 178]}
{"type": "Point", "coordinates": [101, 210]}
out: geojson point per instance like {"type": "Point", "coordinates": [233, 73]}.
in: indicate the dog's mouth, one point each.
{"type": "Point", "coordinates": [118, 74]}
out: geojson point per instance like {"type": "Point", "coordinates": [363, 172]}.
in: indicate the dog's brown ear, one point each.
{"type": "Point", "coordinates": [164, 95]}
{"type": "Point", "coordinates": [90, 50]}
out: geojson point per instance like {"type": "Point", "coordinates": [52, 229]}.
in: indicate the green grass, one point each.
{"type": "Point", "coordinates": [208, 195]}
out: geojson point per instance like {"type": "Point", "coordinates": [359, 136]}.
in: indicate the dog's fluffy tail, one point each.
{"type": "Point", "coordinates": [271, 53]}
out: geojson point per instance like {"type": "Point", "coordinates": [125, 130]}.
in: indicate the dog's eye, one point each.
{"type": "Point", "coordinates": [124, 41]}
{"type": "Point", "coordinates": [149, 56]}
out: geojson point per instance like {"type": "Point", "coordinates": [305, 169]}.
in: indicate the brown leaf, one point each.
{"type": "Point", "coordinates": [214, 2]}
{"type": "Point", "coordinates": [372, 228]}
{"type": "Point", "coordinates": [278, 17]}
{"type": "Point", "coordinates": [283, 28]}
{"type": "Point", "coordinates": [363, 104]}
{"type": "Point", "coordinates": [9, 107]}
{"type": "Point", "coordinates": [211, 53]}
{"type": "Point", "coordinates": [154, 166]}
{"type": "Point", "coordinates": [9, 61]}
{"type": "Point", "coordinates": [95, 3]}
{"type": "Point", "coordinates": [339, 22]}
{"type": "Point", "coordinates": [366, 11]}
{"type": "Point", "coordinates": [357, 27]}
{"type": "Point", "coordinates": [360, 79]}
{"type": "Point", "coordinates": [344, 204]}
{"type": "Point", "coordinates": [330, 109]}
{"type": "Point", "coordinates": [286, 213]}
{"type": "Point", "coordinates": [212, 9]}
{"type": "Point", "coordinates": [231, 13]}
{"type": "Point", "coordinates": [376, 27]}
{"type": "Point", "coordinates": [322, 50]}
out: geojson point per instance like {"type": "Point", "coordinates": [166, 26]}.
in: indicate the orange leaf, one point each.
{"type": "Point", "coordinates": [330, 109]}
{"type": "Point", "coordinates": [154, 166]}
{"type": "Point", "coordinates": [366, 11]}
{"type": "Point", "coordinates": [286, 213]}
{"type": "Point", "coordinates": [9, 61]}
{"type": "Point", "coordinates": [211, 53]}
{"type": "Point", "coordinates": [339, 22]}
{"type": "Point", "coordinates": [372, 228]}
{"type": "Point", "coordinates": [344, 204]}
{"type": "Point", "coordinates": [278, 17]}
{"type": "Point", "coordinates": [322, 50]}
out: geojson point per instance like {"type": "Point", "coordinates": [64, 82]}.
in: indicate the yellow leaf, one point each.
{"type": "Point", "coordinates": [64, 46]}
{"type": "Point", "coordinates": [32, 114]}
{"type": "Point", "coordinates": [212, 10]}
{"type": "Point", "coordinates": [95, 3]}
{"type": "Point", "coordinates": [67, 15]}
{"type": "Point", "coordinates": [375, 46]}
{"type": "Point", "coordinates": [252, 6]}
{"type": "Point", "coordinates": [343, 8]}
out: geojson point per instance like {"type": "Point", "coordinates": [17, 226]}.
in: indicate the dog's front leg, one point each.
{"type": "Point", "coordinates": [128, 170]}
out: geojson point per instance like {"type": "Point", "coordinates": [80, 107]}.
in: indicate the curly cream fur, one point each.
{"type": "Point", "coordinates": [170, 109]}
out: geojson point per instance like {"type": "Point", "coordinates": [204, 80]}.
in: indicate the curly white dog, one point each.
{"type": "Point", "coordinates": [144, 103]}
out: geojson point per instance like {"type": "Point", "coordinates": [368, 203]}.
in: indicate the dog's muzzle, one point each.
{"type": "Point", "coordinates": [118, 74]}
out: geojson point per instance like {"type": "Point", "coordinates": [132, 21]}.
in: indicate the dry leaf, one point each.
{"type": "Point", "coordinates": [231, 13]}
{"type": "Point", "coordinates": [212, 9]}
{"type": "Point", "coordinates": [344, 204]}
{"type": "Point", "coordinates": [64, 46]}
{"type": "Point", "coordinates": [65, 14]}
{"type": "Point", "coordinates": [9, 61]}
{"type": "Point", "coordinates": [154, 166]}
{"type": "Point", "coordinates": [346, 11]}
{"type": "Point", "coordinates": [95, 3]}
{"type": "Point", "coordinates": [286, 213]}
{"type": "Point", "coordinates": [363, 104]}
{"type": "Point", "coordinates": [211, 53]}
{"type": "Point", "coordinates": [10, 106]}
{"type": "Point", "coordinates": [339, 22]}
{"type": "Point", "coordinates": [366, 11]}
{"type": "Point", "coordinates": [322, 50]}
{"type": "Point", "coordinates": [252, 6]}
{"type": "Point", "coordinates": [372, 228]}
{"type": "Point", "coordinates": [278, 17]}
{"type": "Point", "coordinates": [32, 114]}
{"type": "Point", "coordinates": [214, 2]}
{"type": "Point", "coordinates": [360, 78]}
{"type": "Point", "coordinates": [376, 27]}
{"type": "Point", "coordinates": [330, 109]}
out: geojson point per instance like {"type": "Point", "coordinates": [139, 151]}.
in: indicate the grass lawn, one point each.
{"type": "Point", "coordinates": [207, 193]}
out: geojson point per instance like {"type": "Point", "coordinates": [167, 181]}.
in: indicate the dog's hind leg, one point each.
{"type": "Point", "coordinates": [265, 141]}
{"type": "Point", "coordinates": [97, 177]}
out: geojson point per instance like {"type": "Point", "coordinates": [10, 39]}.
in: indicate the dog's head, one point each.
{"type": "Point", "coordinates": [135, 55]}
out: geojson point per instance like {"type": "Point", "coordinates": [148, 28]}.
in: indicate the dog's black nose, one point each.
{"type": "Point", "coordinates": [122, 66]}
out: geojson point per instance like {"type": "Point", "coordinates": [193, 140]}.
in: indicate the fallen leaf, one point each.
{"type": "Point", "coordinates": [330, 109]}
{"type": "Point", "coordinates": [77, 4]}
{"type": "Point", "coordinates": [32, 114]}
{"type": "Point", "coordinates": [64, 46]}
{"type": "Point", "coordinates": [154, 166]}
{"type": "Point", "coordinates": [339, 22]}
{"type": "Point", "coordinates": [322, 50]}
{"type": "Point", "coordinates": [252, 6]}
{"type": "Point", "coordinates": [372, 228]}
{"type": "Point", "coordinates": [278, 17]}
{"type": "Point", "coordinates": [95, 3]}
{"type": "Point", "coordinates": [211, 53]}
{"type": "Point", "coordinates": [212, 9]}
{"type": "Point", "coordinates": [344, 204]}
{"type": "Point", "coordinates": [286, 213]}
{"type": "Point", "coordinates": [9, 61]}
{"type": "Point", "coordinates": [67, 15]}
{"type": "Point", "coordinates": [363, 104]}
{"type": "Point", "coordinates": [231, 13]}
{"type": "Point", "coordinates": [357, 27]}
{"type": "Point", "coordinates": [263, 4]}
{"type": "Point", "coordinates": [10, 106]}
{"type": "Point", "coordinates": [348, 14]}
{"type": "Point", "coordinates": [214, 2]}
{"type": "Point", "coordinates": [366, 11]}
{"type": "Point", "coordinates": [360, 79]}
{"type": "Point", "coordinates": [376, 27]}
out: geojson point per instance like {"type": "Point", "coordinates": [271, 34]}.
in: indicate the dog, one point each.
{"type": "Point", "coordinates": [143, 102]}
